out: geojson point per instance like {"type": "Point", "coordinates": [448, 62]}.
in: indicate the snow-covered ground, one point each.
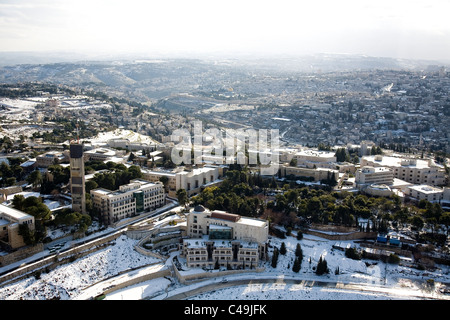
{"type": "Point", "coordinates": [18, 109]}
{"type": "Point", "coordinates": [102, 138]}
{"type": "Point", "coordinates": [70, 280]}
{"type": "Point", "coordinates": [88, 276]}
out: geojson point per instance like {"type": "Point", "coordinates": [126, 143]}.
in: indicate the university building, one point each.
{"type": "Point", "coordinates": [218, 238]}
{"type": "Point", "coordinates": [192, 180]}
{"type": "Point", "coordinates": [131, 199]}
{"type": "Point", "coordinates": [415, 171]}
{"type": "Point", "coordinates": [10, 219]}
{"type": "Point", "coordinates": [373, 175]}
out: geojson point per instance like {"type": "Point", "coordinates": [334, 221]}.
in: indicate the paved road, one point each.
{"type": "Point", "coordinates": [306, 283]}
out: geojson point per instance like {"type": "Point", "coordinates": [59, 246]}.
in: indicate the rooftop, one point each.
{"type": "Point", "coordinates": [13, 213]}
{"type": "Point", "coordinates": [423, 188]}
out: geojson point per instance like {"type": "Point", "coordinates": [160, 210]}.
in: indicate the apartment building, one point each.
{"type": "Point", "coordinates": [10, 219]}
{"type": "Point", "coordinates": [131, 199]}
{"type": "Point", "coordinates": [192, 180]}
{"type": "Point", "coordinates": [224, 239]}
{"type": "Point", "coordinates": [416, 171]}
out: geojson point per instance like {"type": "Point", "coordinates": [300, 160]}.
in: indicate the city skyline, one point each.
{"type": "Point", "coordinates": [397, 29]}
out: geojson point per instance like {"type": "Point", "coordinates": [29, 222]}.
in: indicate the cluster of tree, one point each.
{"type": "Point", "coordinates": [43, 218]}
{"type": "Point", "coordinates": [237, 194]}
{"type": "Point", "coordinates": [79, 222]}
{"type": "Point", "coordinates": [322, 267]}
{"type": "Point", "coordinates": [66, 130]}
{"type": "Point", "coordinates": [41, 213]}
{"type": "Point", "coordinates": [60, 176]}
{"type": "Point", "coordinates": [10, 173]}
{"type": "Point", "coordinates": [113, 179]}
{"type": "Point", "coordinates": [14, 91]}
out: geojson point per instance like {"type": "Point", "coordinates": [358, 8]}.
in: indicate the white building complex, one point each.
{"type": "Point", "coordinates": [131, 199]}
{"type": "Point", "coordinates": [429, 193]}
{"type": "Point", "coordinates": [415, 171]}
{"type": "Point", "coordinates": [318, 159]}
{"type": "Point", "coordinates": [192, 180]}
{"type": "Point", "coordinates": [218, 238]}
{"type": "Point", "coordinates": [375, 181]}
{"type": "Point", "coordinates": [374, 175]}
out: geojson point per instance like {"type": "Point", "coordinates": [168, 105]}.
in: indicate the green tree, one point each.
{"type": "Point", "coordinates": [299, 251]}
{"type": "Point", "coordinates": [35, 178]}
{"type": "Point", "coordinates": [322, 267]}
{"type": "Point", "coordinates": [275, 257]}
{"type": "Point", "coordinates": [182, 197]}
{"type": "Point", "coordinates": [297, 265]}
{"type": "Point", "coordinates": [18, 202]}
{"type": "Point", "coordinates": [283, 248]}
{"type": "Point", "coordinates": [90, 185]}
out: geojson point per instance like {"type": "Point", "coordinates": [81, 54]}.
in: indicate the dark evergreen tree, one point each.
{"type": "Point", "coordinates": [297, 265]}
{"type": "Point", "coordinates": [322, 267]}
{"type": "Point", "coordinates": [275, 258]}
{"type": "Point", "coordinates": [283, 248]}
{"type": "Point", "coordinates": [299, 251]}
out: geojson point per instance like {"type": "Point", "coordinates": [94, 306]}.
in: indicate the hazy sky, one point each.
{"type": "Point", "coordinates": [390, 28]}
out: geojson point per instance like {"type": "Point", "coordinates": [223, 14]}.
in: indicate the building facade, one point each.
{"type": "Point", "coordinates": [416, 171]}
{"type": "Point", "coordinates": [426, 192]}
{"type": "Point", "coordinates": [131, 199]}
{"type": "Point", "coordinates": [374, 175]}
{"type": "Point", "coordinates": [50, 158]}
{"type": "Point", "coordinates": [317, 174]}
{"type": "Point", "coordinates": [10, 219]}
{"type": "Point", "coordinates": [192, 180]}
{"type": "Point", "coordinates": [77, 178]}
{"type": "Point", "coordinates": [218, 238]}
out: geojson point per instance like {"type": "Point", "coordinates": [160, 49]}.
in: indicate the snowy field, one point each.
{"type": "Point", "coordinates": [70, 280]}
{"type": "Point", "coordinates": [102, 138]}
{"type": "Point", "coordinates": [18, 109]}
{"type": "Point", "coordinates": [89, 276]}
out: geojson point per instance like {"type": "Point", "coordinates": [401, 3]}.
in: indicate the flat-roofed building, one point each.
{"type": "Point", "coordinates": [416, 171]}
{"type": "Point", "coordinates": [224, 239]}
{"type": "Point", "coordinates": [425, 192]}
{"type": "Point", "coordinates": [99, 154]}
{"type": "Point", "coordinates": [52, 157]}
{"type": "Point", "coordinates": [192, 180]}
{"type": "Point", "coordinates": [317, 174]}
{"type": "Point", "coordinates": [10, 219]}
{"type": "Point", "coordinates": [131, 199]}
{"type": "Point", "coordinates": [313, 158]}
{"type": "Point", "coordinates": [373, 175]}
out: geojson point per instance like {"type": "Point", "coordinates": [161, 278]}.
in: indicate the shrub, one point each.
{"type": "Point", "coordinates": [393, 259]}
{"type": "Point", "coordinates": [352, 253]}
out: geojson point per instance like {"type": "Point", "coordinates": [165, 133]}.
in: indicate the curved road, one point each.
{"type": "Point", "coordinates": [306, 283]}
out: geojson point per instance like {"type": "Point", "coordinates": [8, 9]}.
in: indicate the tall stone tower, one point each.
{"type": "Point", "coordinates": [77, 187]}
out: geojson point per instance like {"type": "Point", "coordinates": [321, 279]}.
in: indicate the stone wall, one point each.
{"type": "Point", "coordinates": [20, 254]}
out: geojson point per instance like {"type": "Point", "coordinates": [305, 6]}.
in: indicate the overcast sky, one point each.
{"type": "Point", "coordinates": [418, 29]}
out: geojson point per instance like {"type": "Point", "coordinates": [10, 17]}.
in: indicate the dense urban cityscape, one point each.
{"type": "Point", "coordinates": [248, 158]}
{"type": "Point", "coordinates": [87, 166]}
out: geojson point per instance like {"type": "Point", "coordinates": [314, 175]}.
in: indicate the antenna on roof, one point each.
{"type": "Point", "coordinates": [78, 137]}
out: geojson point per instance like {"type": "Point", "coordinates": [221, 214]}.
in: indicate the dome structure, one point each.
{"type": "Point", "coordinates": [199, 208]}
